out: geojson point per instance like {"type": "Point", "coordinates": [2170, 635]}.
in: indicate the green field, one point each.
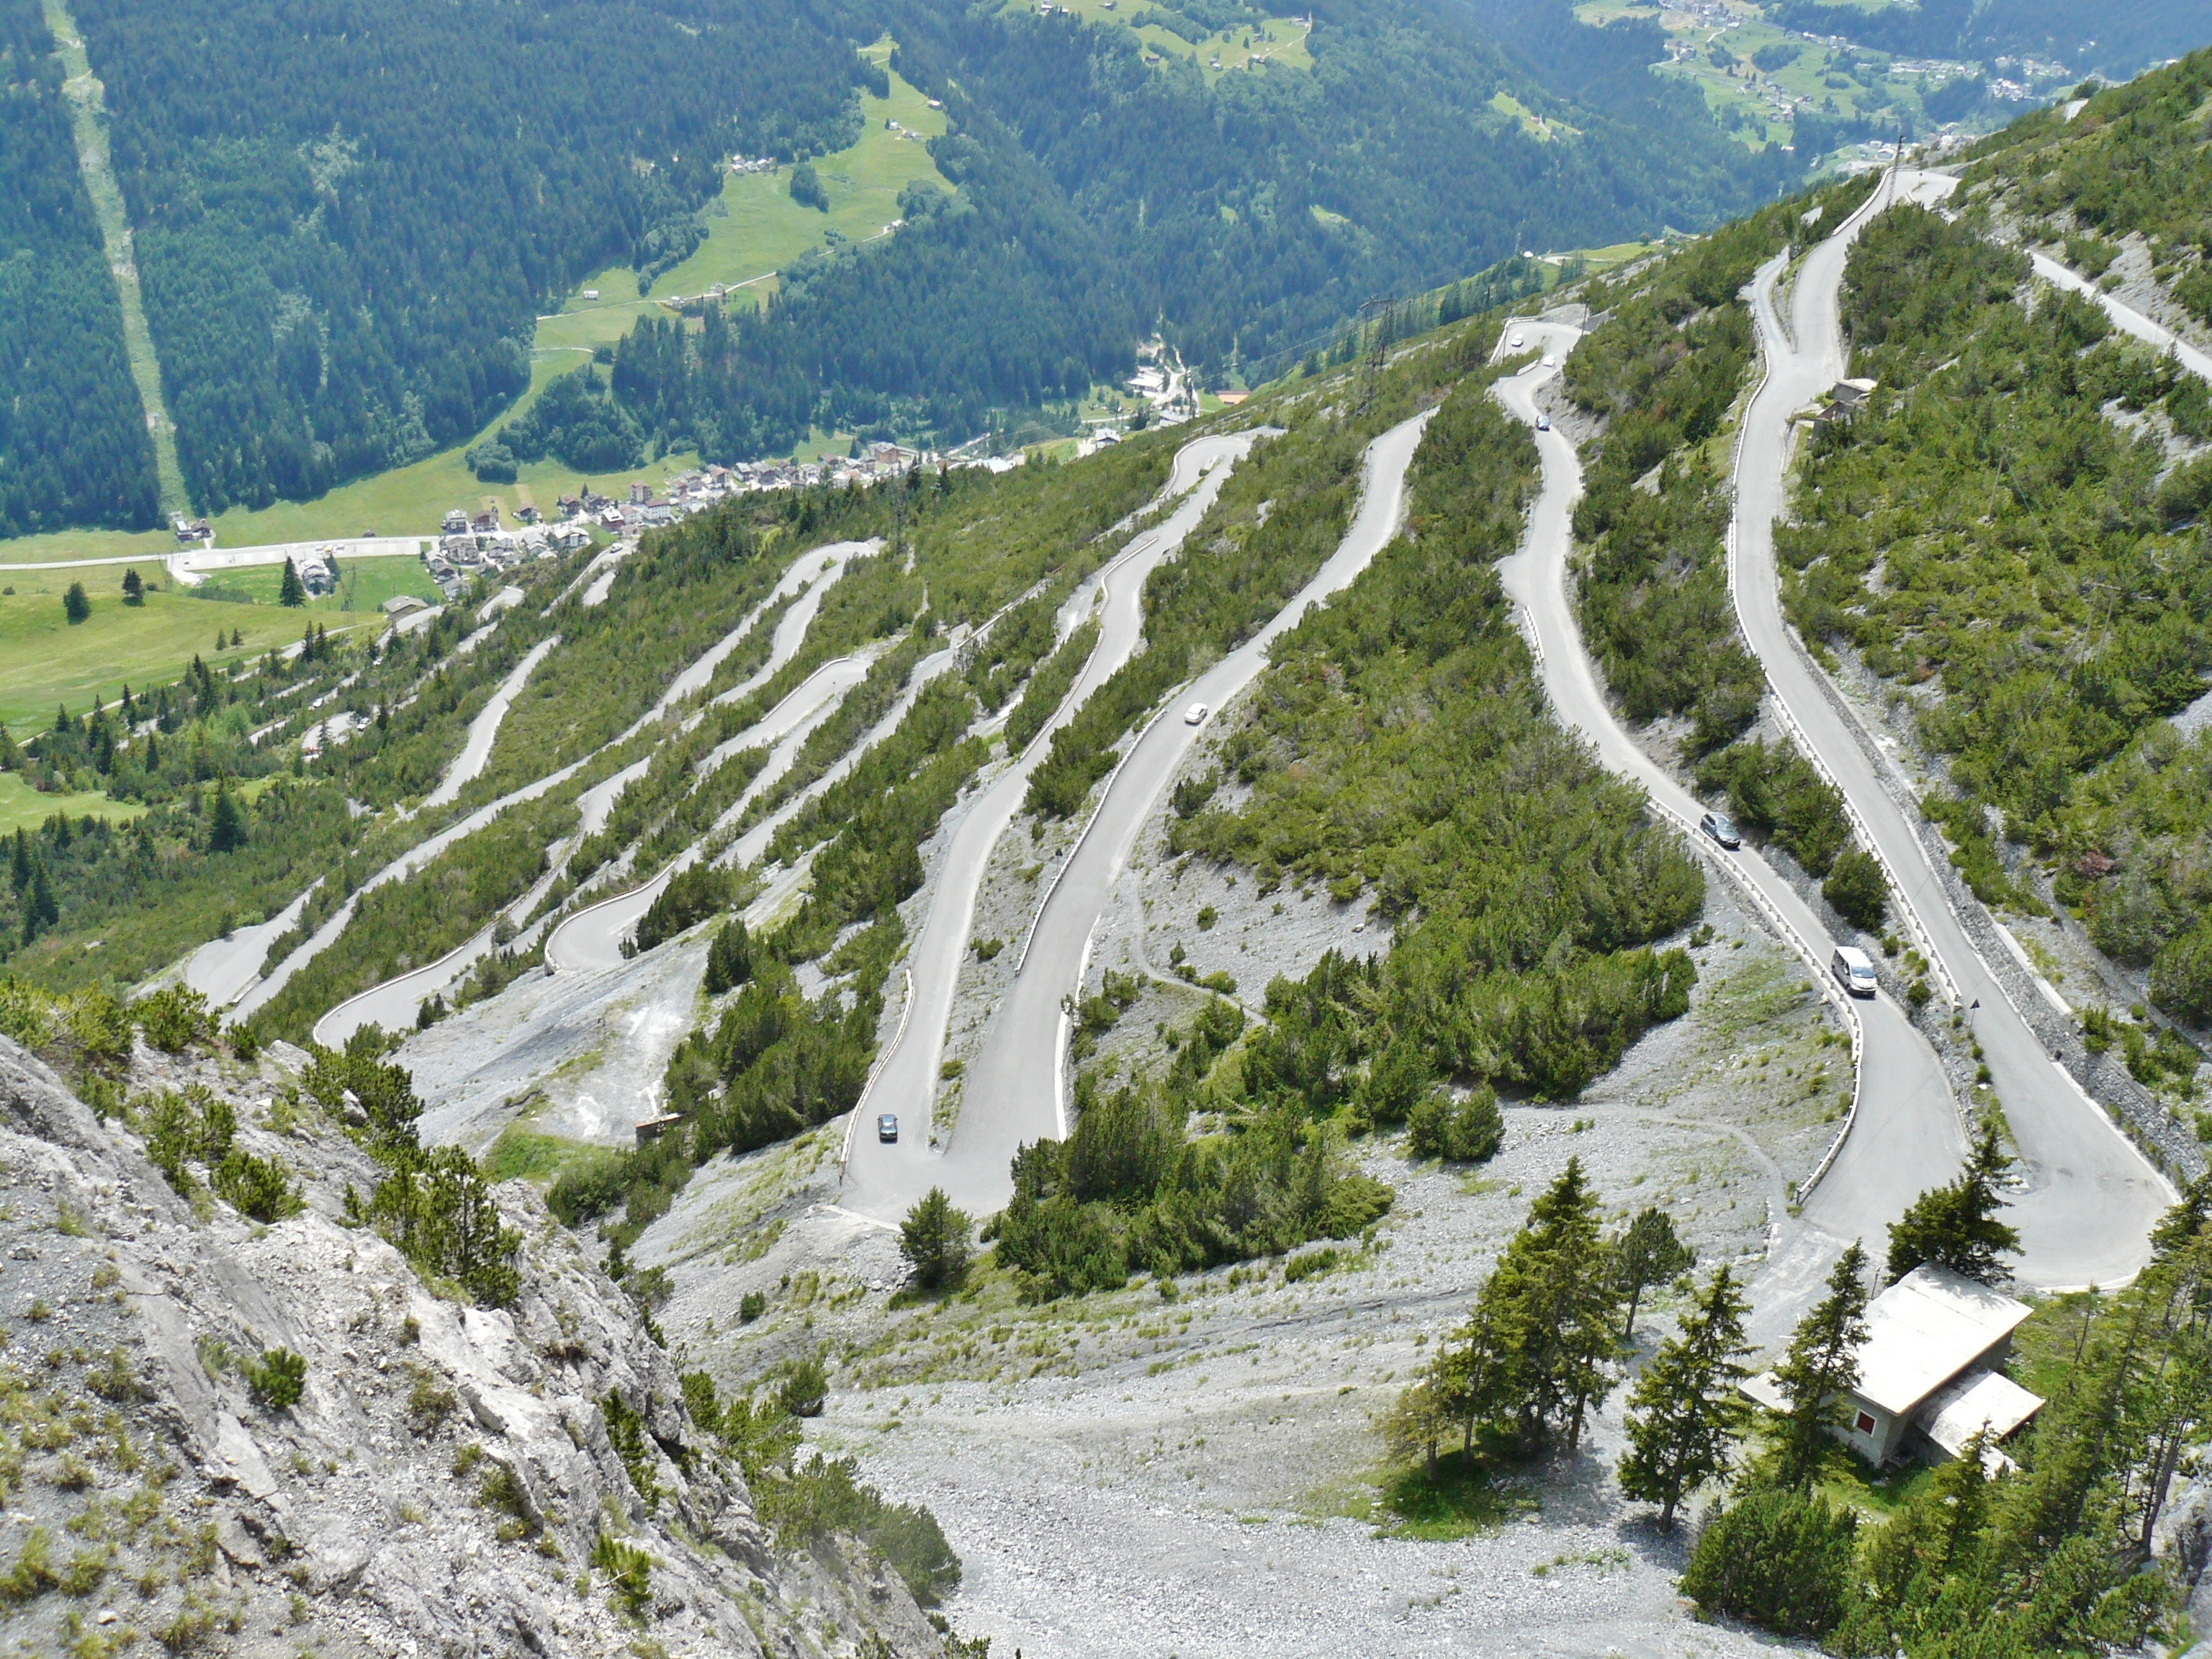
{"type": "Point", "coordinates": [754, 229]}
{"type": "Point", "coordinates": [45, 661]}
{"type": "Point", "coordinates": [1280, 41]}
{"type": "Point", "coordinates": [22, 806]}
{"type": "Point", "coordinates": [364, 584]}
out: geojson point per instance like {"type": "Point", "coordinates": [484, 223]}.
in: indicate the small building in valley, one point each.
{"type": "Point", "coordinates": [1929, 1381]}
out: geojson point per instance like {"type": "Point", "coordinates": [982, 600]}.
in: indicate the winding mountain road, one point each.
{"type": "Point", "coordinates": [2086, 1197]}
{"type": "Point", "coordinates": [886, 1179]}
{"type": "Point", "coordinates": [1016, 1091]}
{"type": "Point", "coordinates": [394, 1001]}
{"type": "Point", "coordinates": [1904, 1133]}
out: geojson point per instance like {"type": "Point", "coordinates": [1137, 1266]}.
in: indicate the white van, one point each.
{"type": "Point", "coordinates": [1853, 969]}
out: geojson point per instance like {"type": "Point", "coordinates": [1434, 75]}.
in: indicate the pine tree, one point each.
{"type": "Point", "coordinates": [134, 588]}
{"type": "Point", "coordinates": [289, 592]}
{"type": "Point", "coordinates": [1955, 1225]}
{"type": "Point", "coordinates": [1649, 1253]}
{"type": "Point", "coordinates": [1543, 1338]}
{"type": "Point", "coordinates": [237, 639]}
{"type": "Point", "coordinates": [226, 823]}
{"type": "Point", "coordinates": [934, 1242]}
{"type": "Point", "coordinates": [729, 958]}
{"type": "Point", "coordinates": [1823, 1361]}
{"type": "Point", "coordinates": [1685, 1415]}
{"type": "Point", "coordinates": [21, 873]}
{"type": "Point", "coordinates": [75, 604]}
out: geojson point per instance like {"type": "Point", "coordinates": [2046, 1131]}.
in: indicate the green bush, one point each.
{"type": "Point", "coordinates": [278, 1379]}
{"type": "Point", "coordinates": [1858, 889]}
{"type": "Point", "coordinates": [1780, 1559]}
{"type": "Point", "coordinates": [1469, 1131]}
{"type": "Point", "coordinates": [628, 1570]}
{"type": "Point", "coordinates": [175, 1018]}
{"type": "Point", "coordinates": [806, 1388]}
{"type": "Point", "coordinates": [256, 1187]}
{"type": "Point", "coordinates": [588, 1186]}
{"type": "Point", "coordinates": [822, 1496]}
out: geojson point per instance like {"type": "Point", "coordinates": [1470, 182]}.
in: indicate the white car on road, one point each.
{"type": "Point", "coordinates": [1194, 716]}
{"type": "Point", "coordinates": [1513, 344]}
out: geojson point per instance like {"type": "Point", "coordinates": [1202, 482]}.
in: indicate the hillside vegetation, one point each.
{"type": "Point", "coordinates": [73, 448]}
{"type": "Point", "coordinates": [2000, 535]}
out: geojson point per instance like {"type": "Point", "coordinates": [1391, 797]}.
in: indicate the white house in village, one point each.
{"type": "Point", "coordinates": [1928, 1378]}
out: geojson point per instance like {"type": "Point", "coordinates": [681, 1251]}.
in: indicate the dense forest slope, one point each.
{"type": "Point", "coordinates": [348, 215]}
{"type": "Point", "coordinates": [347, 219]}
{"type": "Point", "coordinates": [73, 443]}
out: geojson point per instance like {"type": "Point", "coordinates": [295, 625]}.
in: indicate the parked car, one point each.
{"type": "Point", "coordinates": [1513, 344]}
{"type": "Point", "coordinates": [1853, 969]}
{"type": "Point", "coordinates": [887, 1126]}
{"type": "Point", "coordinates": [1550, 361]}
{"type": "Point", "coordinates": [1717, 825]}
{"type": "Point", "coordinates": [1194, 716]}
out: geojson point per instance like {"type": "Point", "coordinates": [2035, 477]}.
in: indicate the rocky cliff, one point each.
{"type": "Point", "coordinates": [450, 1479]}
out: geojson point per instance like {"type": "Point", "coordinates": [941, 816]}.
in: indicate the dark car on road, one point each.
{"type": "Point", "coordinates": [1717, 825]}
{"type": "Point", "coordinates": [887, 1126]}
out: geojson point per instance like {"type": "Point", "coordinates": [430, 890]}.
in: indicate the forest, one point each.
{"type": "Point", "coordinates": [343, 242]}
{"type": "Point", "coordinates": [73, 448]}
{"type": "Point", "coordinates": [348, 215]}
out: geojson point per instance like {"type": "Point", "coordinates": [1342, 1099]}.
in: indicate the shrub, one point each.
{"type": "Point", "coordinates": [628, 1570]}
{"type": "Point", "coordinates": [588, 1186]}
{"type": "Point", "coordinates": [175, 1018]}
{"type": "Point", "coordinates": [805, 1391]}
{"type": "Point", "coordinates": [1466, 1132]}
{"type": "Point", "coordinates": [1858, 889]}
{"type": "Point", "coordinates": [822, 1497]}
{"type": "Point", "coordinates": [192, 1125]}
{"type": "Point", "coordinates": [1312, 1263]}
{"type": "Point", "coordinates": [256, 1187]}
{"type": "Point", "coordinates": [1779, 1558]}
{"type": "Point", "coordinates": [752, 1306]}
{"type": "Point", "coordinates": [278, 1379]}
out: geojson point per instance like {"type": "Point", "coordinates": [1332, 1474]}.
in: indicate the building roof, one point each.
{"type": "Point", "coordinates": [400, 604]}
{"type": "Point", "coordinates": [1978, 1401]}
{"type": "Point", "coordinates": [1925, 1329]}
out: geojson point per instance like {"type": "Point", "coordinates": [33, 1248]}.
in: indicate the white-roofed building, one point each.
{"type": "Point", "coordinates": [1927, 1376]}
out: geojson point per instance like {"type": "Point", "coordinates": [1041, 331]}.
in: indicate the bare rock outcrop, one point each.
{"type": "Point", "coordinates": [447, 1482]}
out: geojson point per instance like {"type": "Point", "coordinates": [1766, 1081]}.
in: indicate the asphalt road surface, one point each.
{"type": "Point", "coordinates": [1017, 1090]}
{"type": "Point", "coordinates": [884, 1180]}
{"type": "Point", "coordinates": [2088, 1197]}
{"type": "Point", "coordinates": [1905, 1136]}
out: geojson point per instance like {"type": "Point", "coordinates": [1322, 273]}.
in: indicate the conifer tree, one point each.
{"type": "Point", "coordinates": [1955, 1225]}
{"type": "Point", "coordinates": [1647, 1254]}
{"type": "Point", "coordinates": [226, 823]}
{"type": "Point", "coordinates": [1685, 1415]}
{"type": "Point", "coordinates": [289, 592]}
{"type": "Point", "coordinates": [134, 587]}
{"type": "Point", "coordinates": [75, 604]}
{"type": "Point", "coordinates": [1544, 1339]}
{"type": "Point", "coordinates": [1822, 1362]}
{"type": "Point", "coordinates": [21, 873]}
{"type": "Point", "coordinates": [935, 1240]}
